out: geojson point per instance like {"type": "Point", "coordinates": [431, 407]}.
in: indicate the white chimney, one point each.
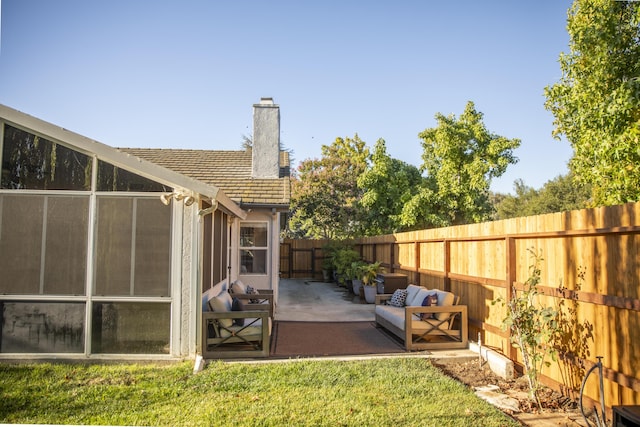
{"type": "Point", "coordinates": [266, 140]}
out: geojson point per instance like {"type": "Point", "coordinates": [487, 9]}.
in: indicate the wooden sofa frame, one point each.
{"type": "Point", "coordinates": [238, 345]}
{"type": "Point", "coordinates": [263, 297]}
{"type": "Point", "coordinates": [419, 339]}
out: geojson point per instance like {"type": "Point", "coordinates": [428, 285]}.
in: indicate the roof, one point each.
{"type": "Point", "coordinates": [229, 170]}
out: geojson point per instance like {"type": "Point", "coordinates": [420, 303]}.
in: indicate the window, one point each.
{"type": "Point", "coordinates": [133, 252]}
{"type": "Point", "coordinates": [113, 178]}
{"type": "Point", "coordinates": [253, 248]}
{"type": "Point", "coordinates": [54, 225]}
{"type": "Point", "coordinates": [43, 244]}
{"type": "Point", "coordinates": [42, 327]}
{"type": "Point", "coordinates": [131, 327]}
{"type": "Point", "coordinates": [30, 162]}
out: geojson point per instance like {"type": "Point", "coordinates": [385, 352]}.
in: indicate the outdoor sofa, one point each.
{"type": "Point", "coordinates": [437, 322]}
{"type": "Point", "coordinates": [236, 324]}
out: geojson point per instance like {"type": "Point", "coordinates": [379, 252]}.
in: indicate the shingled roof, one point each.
{"type": "Point", "coordinates": [228, 170]}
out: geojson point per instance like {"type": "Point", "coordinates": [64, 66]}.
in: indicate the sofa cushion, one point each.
{"type": "Point", "coordinates": [444, 299]}
{"type": "Point", "coordinates": [237, 305]}
{"type": "Point", "coordinates": [412, 290]}
{"type": "Point", "coordinates": [398, 298]}
{"type": "Point", "coordinates": [205, 302]}
{"type": "Point", "coordinates": [419, 297]}
{"type": "Point", "coordinates": [222, 304]}
{"type": "Point", "coordinates": [428, 301]}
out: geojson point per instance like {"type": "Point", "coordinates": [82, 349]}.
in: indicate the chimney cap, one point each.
{"type": "Point", "coordinates": [266, 101]}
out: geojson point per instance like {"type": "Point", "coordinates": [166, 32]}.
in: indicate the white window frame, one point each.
{"type": "Point", "coordinates": [265, 248]}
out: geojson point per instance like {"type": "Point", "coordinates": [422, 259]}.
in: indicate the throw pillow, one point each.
{"type": "Point", "coordinates": [428, 301]}
{"type": "Point", "coordinates": [252, 291]}
{"type": "Point", "coordinates": [238, 288]}
{"type": "Point", "coordinates": [237, 305]}
{"type": "Point", "coordinates": [398, 298]}
{"type": "Point", "coordinates": [222, 304]}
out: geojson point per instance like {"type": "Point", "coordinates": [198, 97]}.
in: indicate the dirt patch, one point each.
{"type": "Point", "coordinates": [563, 410]}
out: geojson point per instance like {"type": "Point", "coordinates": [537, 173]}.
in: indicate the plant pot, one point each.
{"type": "Point", "coordinates": [370, 293]}
{"type": "Point", "coordinates": [380, 286]}
{"type": "Point", "coordinates": [326, 275]}
{"type": "Point", "coordinates": [357, 285]}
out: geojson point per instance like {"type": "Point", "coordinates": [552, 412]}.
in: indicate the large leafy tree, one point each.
{"type": "Point", "coordinates": [460, 158]}
{"type": "Point", "coordinates": [387, 186]}
{"type": "Point", "coordinates": [596, 103]}
{"type": "Point", "coordinates": [325, 193]}
{"type": "Point", "coordinates": [563, 193]}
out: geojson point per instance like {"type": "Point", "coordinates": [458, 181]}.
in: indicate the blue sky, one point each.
{"type": "Point", "coordinates": [185, 74]}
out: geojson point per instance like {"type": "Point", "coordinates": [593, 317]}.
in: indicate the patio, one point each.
{"type": "Point", "coordinates": [318, 319]}
{"type": "Point", "coordinates": [306, 300]}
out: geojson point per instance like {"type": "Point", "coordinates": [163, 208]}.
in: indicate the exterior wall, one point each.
{"type": "Point", "coordinates": [187, 298]}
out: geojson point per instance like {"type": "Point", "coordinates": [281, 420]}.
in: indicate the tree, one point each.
{"type": "Point", "coordinates": [387, 186]}
{"type": "Point", "coordinates": [325, 192]}
{"type": "Point", "coordinates": [510, 206]}
{"type": "Point", "coordinates": [460, 158]}
{"type": "Point", "coordinates": [596, 103]}
{"type": "Point", "coordinates": [563, 193]}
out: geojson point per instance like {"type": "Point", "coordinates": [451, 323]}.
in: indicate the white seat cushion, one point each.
{"type": "Point", "coordinates": [394, 315]}
{"type": "Point", "coordinates": [254, 329]}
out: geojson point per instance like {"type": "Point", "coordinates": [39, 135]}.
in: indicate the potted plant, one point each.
{"type": "Point", "coordinates": [355, 274]}
{"type": "Point", "coordinates": [369, 285]}
{"type": "Point", "coordinates": [343, 259]}
{"type": "Point", "coordinates": [329, 260]}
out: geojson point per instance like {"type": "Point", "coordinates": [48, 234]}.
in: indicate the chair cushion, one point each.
{"type": "Point", "coordinates": [237, 305]}
{"type": "Point", "coordinates": [398, 298]}
{"type": "Point", "coordinates": [253, 331]}
{"type": "Point", "coordinates": [205, 302]}
{"type": "Point", "coordinates": [238, 288]}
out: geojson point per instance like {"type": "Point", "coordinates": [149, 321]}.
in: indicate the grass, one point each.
{"type": "Point", "coordinates": [381, 392]}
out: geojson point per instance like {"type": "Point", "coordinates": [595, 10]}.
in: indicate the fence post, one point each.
{"type": "Point", "coordinates": [374, 255]}
{"type": "Point", "coordinates": [417, 262]}
{"type": "Point", "coordinates": [510, 244]}
{"type": "Point", "coordinates": [447, 265]}
{"type": "Point", "coordinates": [313, 262]}
{"type": "Point", "coordinates": [291, 260]}
{"type": "Point", "coordinates": [393, 256]}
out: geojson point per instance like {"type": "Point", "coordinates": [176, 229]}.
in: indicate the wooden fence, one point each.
{"type": "Point", "coordinates": [590, 272]}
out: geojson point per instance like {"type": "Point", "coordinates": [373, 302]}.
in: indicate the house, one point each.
{"type": "Point", "coordinates": [105, 252]}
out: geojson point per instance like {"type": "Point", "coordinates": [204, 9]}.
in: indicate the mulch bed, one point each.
{"type": "Point", "coordinates": [316, 339]}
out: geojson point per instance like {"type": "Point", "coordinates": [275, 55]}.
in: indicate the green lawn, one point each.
{"type": "Point", "coordinates": [381, 392]}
